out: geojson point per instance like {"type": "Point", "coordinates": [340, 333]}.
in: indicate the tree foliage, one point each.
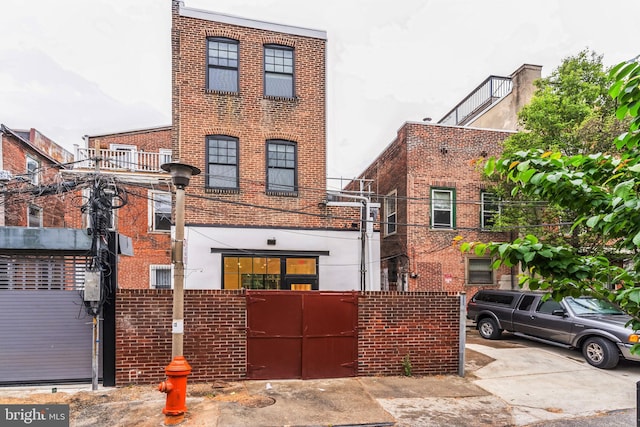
{"type": "Point", "coordinates": [602, 189]}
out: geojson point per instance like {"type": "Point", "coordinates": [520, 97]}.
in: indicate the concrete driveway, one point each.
{"type": "Point", "coordinates": [544, 383]}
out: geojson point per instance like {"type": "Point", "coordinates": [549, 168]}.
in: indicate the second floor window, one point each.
{"type": "Point", "coordinates": [278, 71]}
{"type": "Point", "coordinates": [222, 74]}
{"type": "Point", "coordinates": [489, 210]}
{"type": "Point", "coordinates": [442, 211]}
{"type": "Point", "coordinates": [391, 212]}
{"type": "Point", "coordinates": [33, 170]}
{"type": "Point", "coordinates": [222, 162]}
{"type": "Point", "coordinates": [34, 216]}
{"type": "Point", "coordinates": [160, 211]}
{"type": "Point", "coordinates": [281, 166]}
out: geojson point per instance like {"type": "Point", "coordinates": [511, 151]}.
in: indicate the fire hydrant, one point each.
{"type": "Point", "coordinates": [176, 388]}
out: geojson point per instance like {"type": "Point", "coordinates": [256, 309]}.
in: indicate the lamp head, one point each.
{"type": "Point", "coordinates": [181, 173]}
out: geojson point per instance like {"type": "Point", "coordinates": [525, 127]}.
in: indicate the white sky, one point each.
{"type": "Point", "coordinates": [75, 67]}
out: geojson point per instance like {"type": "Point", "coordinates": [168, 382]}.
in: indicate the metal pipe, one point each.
{"type": "Point", "coordinates": [463, 333]}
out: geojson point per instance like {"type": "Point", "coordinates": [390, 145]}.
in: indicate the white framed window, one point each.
{"type": "Point", "coordinates": [479, 271]}
{"type": "Point", "coordinates": [160, 276]}
{"type": "Point", "coordinates": [165, 155]}
{"type": "Point", "coordinates": [490, 208]}
{"type": "Point", "coordinates": [159, 211]}
{"type": "Point", "coordinates": [126, 156]}
{"type": "Point", "coordinates": [391, 213]}
{"type": "Point", "coordinates": [33, 170]}
{"type": "Point", "coordinates": [442, 208]}
{"type": "Point", "coordinates": [34, 216]}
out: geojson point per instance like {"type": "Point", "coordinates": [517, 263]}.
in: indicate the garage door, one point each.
{"type": "Point", "coordinates": [301, 334]}
{"type": "Point", "coordinates": [45, 334]}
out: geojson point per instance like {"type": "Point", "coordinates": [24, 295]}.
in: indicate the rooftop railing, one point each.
{"type": "Point", "coordinates": [487, 93]}
{"type": "Point", "coordinates": [121, 160]}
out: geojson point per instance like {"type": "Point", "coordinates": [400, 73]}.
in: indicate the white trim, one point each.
{"type": "Point", "coordinates": [251, 23]}
{"type": "Point", "coordinates": [151, 211]}
{"type": "Point", "coordinates": [392, 195]}
{"type": "Point", "coordinates": [153, 268]}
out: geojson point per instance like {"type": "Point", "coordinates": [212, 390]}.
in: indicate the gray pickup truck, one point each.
{"type": "Point", "coordinates": [595, 327]}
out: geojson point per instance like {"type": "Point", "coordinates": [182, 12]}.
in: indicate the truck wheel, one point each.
{"type": "Point", "coordinates": [488, 329]}
{"type": "Point", "coordinates": [600, 352]}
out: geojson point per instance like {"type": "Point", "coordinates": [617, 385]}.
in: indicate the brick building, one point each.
{"type": "Point", "coordinates": [130, 161]}
{"type": "Point", "coordinates": [29, 160]}
{"type": "Point", "coordinates": [249, 110]}
{"type": "Point", "coordinates": [431, 191]}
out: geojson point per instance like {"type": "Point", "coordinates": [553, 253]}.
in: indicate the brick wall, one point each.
{"type": "Point", "coordinates": [19, 196]}
{"type": "Point", "coordinates": [252, 118]}
{"type": "Point", "coordinates": [424, 326]}
{"type": "Point", "coordinates": [391, 325]}
{"type": "Point", "coordinates": [215, 344]}
{"type": "Point", "coordinates": [149, 247]}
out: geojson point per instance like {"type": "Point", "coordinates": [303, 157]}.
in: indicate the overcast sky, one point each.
{"type": "Point", "coordinates": [75, 67]}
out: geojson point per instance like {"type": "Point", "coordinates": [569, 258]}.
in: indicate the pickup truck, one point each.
{"type": "Point", "coordinates": [595, 327]}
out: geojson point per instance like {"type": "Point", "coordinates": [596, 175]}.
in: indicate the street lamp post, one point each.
{"type": "Point", "coordinates": [176, 384]}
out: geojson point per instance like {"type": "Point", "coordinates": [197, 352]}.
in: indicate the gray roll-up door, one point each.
{"type": "Point", "coordinates": [45, 333]}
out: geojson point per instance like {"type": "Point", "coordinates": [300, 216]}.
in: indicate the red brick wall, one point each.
{"type": "Point", "coordinates": [214, 342]}
{"type": "Point", "coordinates": [391, 325]}
{"type": "Point", "coordinates": [253, 119]}
{"type": "Point", "coordinates": [149, 247]}
{"type": "Point", "coordinates": [19, 196]}
{"type": "Point", "coordinates": [424, 326]}
{"type": "Point", "coordinates": [413, 164]}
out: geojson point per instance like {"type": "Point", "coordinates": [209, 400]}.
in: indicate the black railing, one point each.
{"type": "Point", "coordinates": [488, 92]}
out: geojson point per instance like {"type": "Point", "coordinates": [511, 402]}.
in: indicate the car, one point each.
{"type": "Point", "coordinates": [596, 327]}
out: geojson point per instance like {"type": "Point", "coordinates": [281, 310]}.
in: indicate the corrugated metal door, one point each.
{"type": "Point", "coordinates": [45, 334]}
{"type": "Point", "coordinates": [301, 334]}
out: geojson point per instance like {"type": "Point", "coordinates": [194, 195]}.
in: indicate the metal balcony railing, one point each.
{"type": "Point", "coordinates": [121, 160]}
{"type": "Point", "coordinates": [487, 93]}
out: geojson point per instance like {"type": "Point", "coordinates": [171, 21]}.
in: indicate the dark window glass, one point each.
{"type": "Point", "coordinates": [161, 211]}
{"type": "Point", "coordinates": [525, 304]}
{"type": "Point", "coordinates": [222, 162]}
{"type": "Point", "coordinates": [281, 166]}
{"type": "Point", "coordinates": [480, 271]}
{"type": "Point", "coordinates": [278, 71]}
{"type": "Point", "coordinates": [548, 306]}
{"type": "Point", "coordinates": [495, 298]}
{"type": "Point", "coordinates": [490, 209]}
{"type": "Point", "coordinates": [222, 57]}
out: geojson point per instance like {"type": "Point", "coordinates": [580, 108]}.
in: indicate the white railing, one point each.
{"type": "Point", "coordinates": [120, 160]}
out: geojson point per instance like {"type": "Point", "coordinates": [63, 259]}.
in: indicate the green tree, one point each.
{"type": "Point", "coordinates": [603, 189]}
{"type": "Point", "coordinates": [570, 113]}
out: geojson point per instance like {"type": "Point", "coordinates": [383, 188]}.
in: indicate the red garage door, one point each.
{"type": "Point", "coordinates": [300, 334]}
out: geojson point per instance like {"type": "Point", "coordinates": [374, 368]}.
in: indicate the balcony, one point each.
{"type": "Point", "coordinates": [486, 94]}
{"type": "Point", "coordinates": [125, 161]}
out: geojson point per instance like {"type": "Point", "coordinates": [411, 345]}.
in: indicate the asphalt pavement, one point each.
{"type": "Point", "coordinates": [509, 382]}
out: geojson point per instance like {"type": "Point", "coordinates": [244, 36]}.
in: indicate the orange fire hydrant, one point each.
{"type": "Point", "coordinates": [176, 388]}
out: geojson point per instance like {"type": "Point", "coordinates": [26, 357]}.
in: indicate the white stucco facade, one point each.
{"type": "Point", "coordinates": [339, 254]}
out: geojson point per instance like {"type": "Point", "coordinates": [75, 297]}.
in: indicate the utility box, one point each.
{"type": "Point", "coordinates": [92, 285]}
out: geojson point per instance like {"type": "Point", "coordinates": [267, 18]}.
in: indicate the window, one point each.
{"type": "Point", "coordinates": [222, 63]}
{"type": "Point", "coordinates": [123, 156]}
{"type": "Point", "coordinates": [442, 210]}
{"type": "Point", "coordinates": [390, 211]}
{"type": "Point", "coordinates": [525, 304]}
{"type": "Point", "coordinates": [164, 155]}
{"type": "Point", "coordinates": [33, 170]}
{"type": "Point", "coordinates": [489, 210]}
{"type": "Point", "coordinates": [160, 276]}
{"type": "Point", "coordinates": [222, 162]}
{"type": "Point", "coordinates": [278, 71]}
{"type": "Point", "coordinates": [34, 216]}
{"type": "Point", "coordinates": [160, 212]}
{"type": "Point", "coordinates": [479, 271]}
{"type": "Point", "coordinates": [281, 166]}
{"type": "Point", "coordinates": [548, 306]}
{"type": "Point", "coordinates": [270, 272]}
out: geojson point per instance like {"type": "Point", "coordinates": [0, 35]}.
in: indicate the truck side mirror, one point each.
{"type": "Point", "coordinates": [558, 312]}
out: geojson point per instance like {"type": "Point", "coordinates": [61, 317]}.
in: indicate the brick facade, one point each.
{"type": "Point", "coordinates": [422, 157]}
{"type": "Point", "coordinates": [252, 118]}
{"type": "Point", "coordinates": [150, 247]}
{"type": "Point", "coordinates": [391, 325]}
{"type": "Point", "coordinates": [20, 193]}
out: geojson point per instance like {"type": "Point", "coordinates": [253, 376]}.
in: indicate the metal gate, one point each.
{"type": "Point", "coordinates": [301, 334]}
